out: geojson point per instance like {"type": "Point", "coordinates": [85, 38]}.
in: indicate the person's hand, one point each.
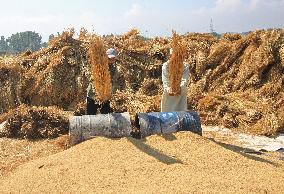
{"type": "Point", "coordinates": [178, 92]}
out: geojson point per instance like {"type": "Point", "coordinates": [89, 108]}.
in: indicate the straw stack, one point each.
{"type": "Point", "coordinates": [36, 122]}
{"type": "Point", "coordinates": [100, 69]}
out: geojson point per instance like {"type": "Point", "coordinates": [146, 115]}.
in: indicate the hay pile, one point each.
{"type": "Point", "coordinates": [10, 76]}
{"type": "Point", "coordinates": [100, 69]}
{"type": "Point", "coordinates": [36, 122]}
{"type": "Point", "coordinates": [241, 85]}
{"type": "Point", "coordinates": [56, 75]}
{"type": "Point", "coordinates": [139, 58]}
{"type": "Point", "coordinates": [198, 47]}
{"type": "Point", "coordinates": [151, 87]}
{"type": "Point", "coordinates": [243, 112]}
{"type": "Point", "coordinates": [126, 101]}
{"type": "Point", "coordinates": [59, 74]}
{"type": "Point", "coordinates": [236, 81]}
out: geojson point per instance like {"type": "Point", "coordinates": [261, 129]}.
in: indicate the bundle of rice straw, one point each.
{"type": "Point", "coordinates": [176, 62]}
{"type": "Point", "coordinates": [100, 69]}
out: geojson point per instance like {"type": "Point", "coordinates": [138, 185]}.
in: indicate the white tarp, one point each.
{"type": "Point", "coordinates": [255, 142]}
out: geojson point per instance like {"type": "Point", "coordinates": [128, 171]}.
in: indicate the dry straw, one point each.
{"type": "Point", "coordinates": [35, 122]}
{"type": "Point", "coordinates": [83, 34]}
{"type": "Point", "coordinates": [236, 81]}
{"type": "Point", "coordinates": [100, 69]}
{"type": "Point", "coordinates": [176, 63]}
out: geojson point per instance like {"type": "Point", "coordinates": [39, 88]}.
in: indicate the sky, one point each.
{"type": "Point", "coordinates": [151, 17]}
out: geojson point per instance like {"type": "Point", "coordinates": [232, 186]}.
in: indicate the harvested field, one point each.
{"type": "Point", "coordinates": [178, 163]}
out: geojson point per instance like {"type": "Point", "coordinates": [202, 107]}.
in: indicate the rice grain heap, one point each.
{"type": "Point", "coordinates": [176, 63]}
{"type": "Point", "coordinates": [100, 69]}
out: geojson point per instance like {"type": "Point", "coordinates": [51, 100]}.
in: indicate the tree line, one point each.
{"type": "Point", "coordinates": [21, 42]}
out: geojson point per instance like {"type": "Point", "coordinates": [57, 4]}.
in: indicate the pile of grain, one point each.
{"type": "Point", "coordinates": [180, 163]}
{"type": "Point", "coordinates": [15, 152]}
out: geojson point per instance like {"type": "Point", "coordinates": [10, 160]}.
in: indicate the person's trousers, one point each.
{"type": "Point", "coordinates": [93, 107]}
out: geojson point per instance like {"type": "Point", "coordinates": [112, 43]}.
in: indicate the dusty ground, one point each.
{"type": "Point", "coordinates": [179, 163]}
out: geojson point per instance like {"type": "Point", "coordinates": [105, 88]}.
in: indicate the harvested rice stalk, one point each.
{"type": "Point", "coordinates": [132, 33]}
{"type": "Point", "coordinates": [100, 69]}
{"type": "Point", "coordinates": [176, 63]}
{"type": "Point", "coordinates": [83, 34]}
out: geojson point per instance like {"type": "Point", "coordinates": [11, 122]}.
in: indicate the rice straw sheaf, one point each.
{"type": "Point", "coordinates": [100, 69]}
{"type": "Point", "coordinates": [176, 62]}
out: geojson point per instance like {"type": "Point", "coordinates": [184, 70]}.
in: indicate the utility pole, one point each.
{"type": "Point", "coordinates": [211, 27]}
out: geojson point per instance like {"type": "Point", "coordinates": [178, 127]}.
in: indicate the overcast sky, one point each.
{"type": "Point", "coordinates": [152, 17]}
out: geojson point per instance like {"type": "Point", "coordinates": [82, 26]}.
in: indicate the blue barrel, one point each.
{"type": "Point", "coordinates": [114, 125]}
{"type": "Point", "coordinates": [168, 122]}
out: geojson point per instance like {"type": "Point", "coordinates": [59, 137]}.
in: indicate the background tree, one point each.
{"type": "Point", "coordinates": [51, 36]}
{"type": "Point", "coordinates": [3, 46]}
{"type": "Point", "coordinates": [23, 41]}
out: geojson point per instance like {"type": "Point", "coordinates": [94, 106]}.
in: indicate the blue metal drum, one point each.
{"type": "Point", "coordinates": [168, 122]}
